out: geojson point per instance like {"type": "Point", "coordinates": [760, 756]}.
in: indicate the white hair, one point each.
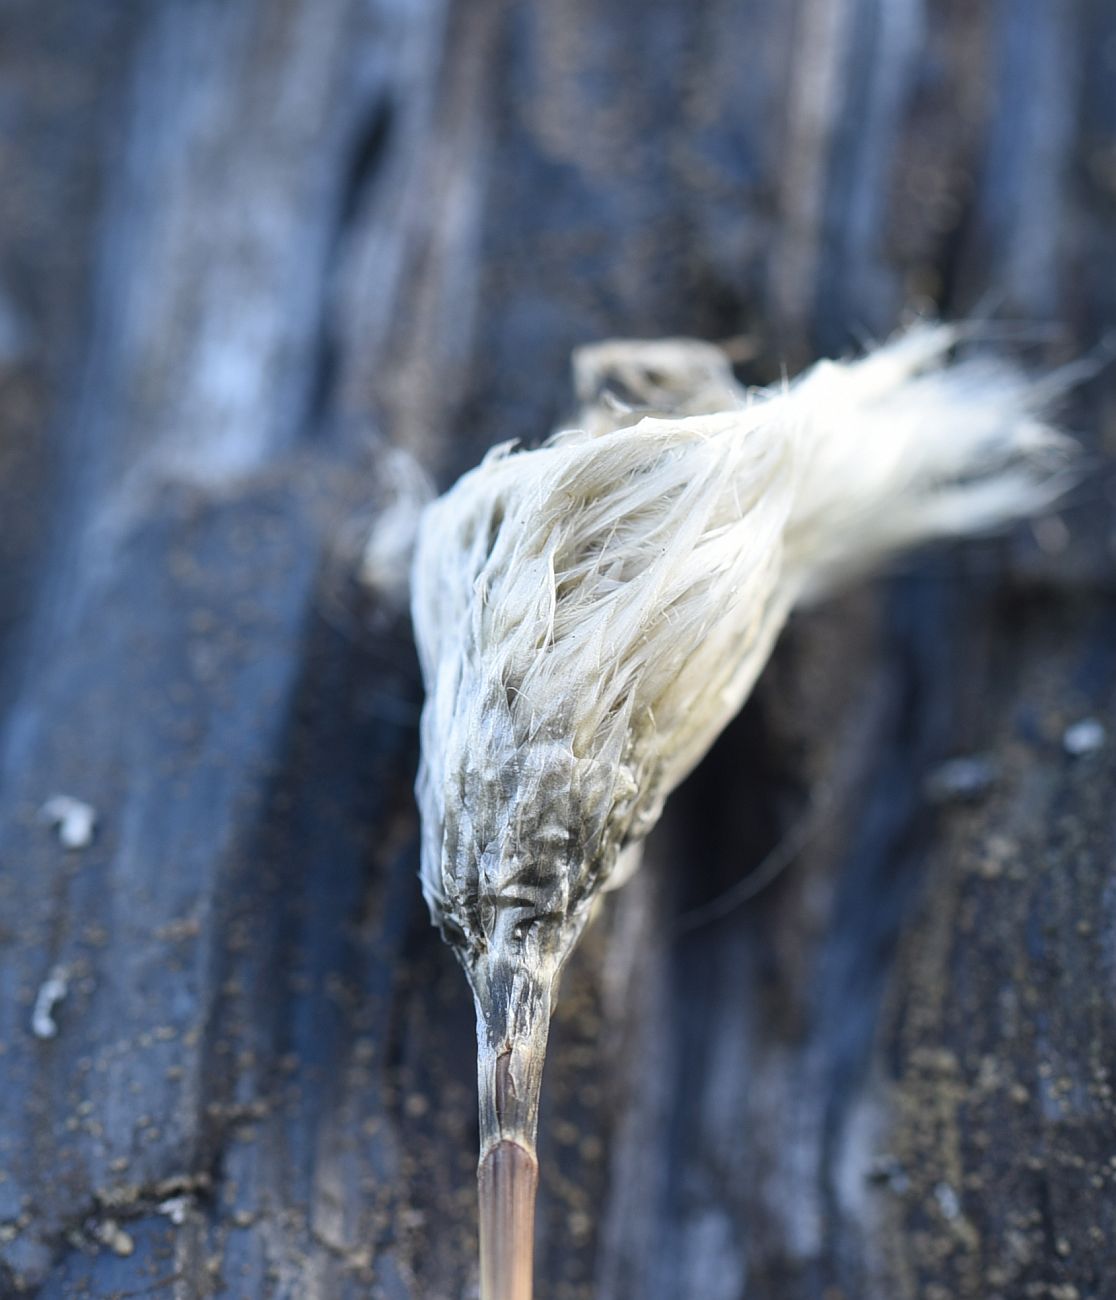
{"type": "Point", "coordinates": [590, 614]}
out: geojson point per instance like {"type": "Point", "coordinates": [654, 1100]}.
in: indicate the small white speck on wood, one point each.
{"type": "Point", "coordinates": [74, 820]}
{"type": "Point", "coordinates": [52, 990]}
{"type": "Point", "coordinates": [1084, 737]}
{"type": "Point", "coordinates": [966, 778]}
{"type": "Point", "coordinates": [112, 1235]}
{"type": "Point", "coordinates": [175, 1208]}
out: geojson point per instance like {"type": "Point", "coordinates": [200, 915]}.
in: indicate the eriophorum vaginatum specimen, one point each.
{"type": "Point", "coordinates": [590, 615]}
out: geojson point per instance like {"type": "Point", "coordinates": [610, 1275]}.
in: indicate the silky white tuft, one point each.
{"type": "Point", "coordinates": [590, 614]}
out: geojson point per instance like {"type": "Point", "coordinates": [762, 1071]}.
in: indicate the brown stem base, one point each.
{"type": "Point", "coordinates": [507, 1179]}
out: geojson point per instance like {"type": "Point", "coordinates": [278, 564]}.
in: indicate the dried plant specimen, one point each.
{"type": "Point", "coordinates": [590, 614]}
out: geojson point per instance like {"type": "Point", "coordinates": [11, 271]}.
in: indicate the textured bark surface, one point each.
{"type": "Point", "coordinates": [246, 247]}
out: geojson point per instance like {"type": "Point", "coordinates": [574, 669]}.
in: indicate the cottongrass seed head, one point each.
{"type": "Point", "coordinates": [590, 614]}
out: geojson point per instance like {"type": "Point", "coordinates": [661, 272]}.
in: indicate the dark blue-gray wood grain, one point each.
{"type": "Point", "coordinates": [245, 246]}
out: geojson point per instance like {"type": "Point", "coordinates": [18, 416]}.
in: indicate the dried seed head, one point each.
{"type": "Point", "coordinates": [620, 380]}
{"type": "Point", "coordinates": [590, 615]}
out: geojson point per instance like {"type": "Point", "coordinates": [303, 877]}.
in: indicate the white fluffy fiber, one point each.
{"type": "Point", "coordinates": [590, 614]}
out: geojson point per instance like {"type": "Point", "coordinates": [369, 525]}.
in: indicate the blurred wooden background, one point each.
{"type": "Point", "coordinates": [247, 246]}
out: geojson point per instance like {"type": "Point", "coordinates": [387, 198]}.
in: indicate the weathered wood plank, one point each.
{"type": "Point", "coordinates": [243, 248]}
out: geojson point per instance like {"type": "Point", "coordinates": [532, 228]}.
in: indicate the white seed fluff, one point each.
{"type": "Point", "coordinates": [590, 614]}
